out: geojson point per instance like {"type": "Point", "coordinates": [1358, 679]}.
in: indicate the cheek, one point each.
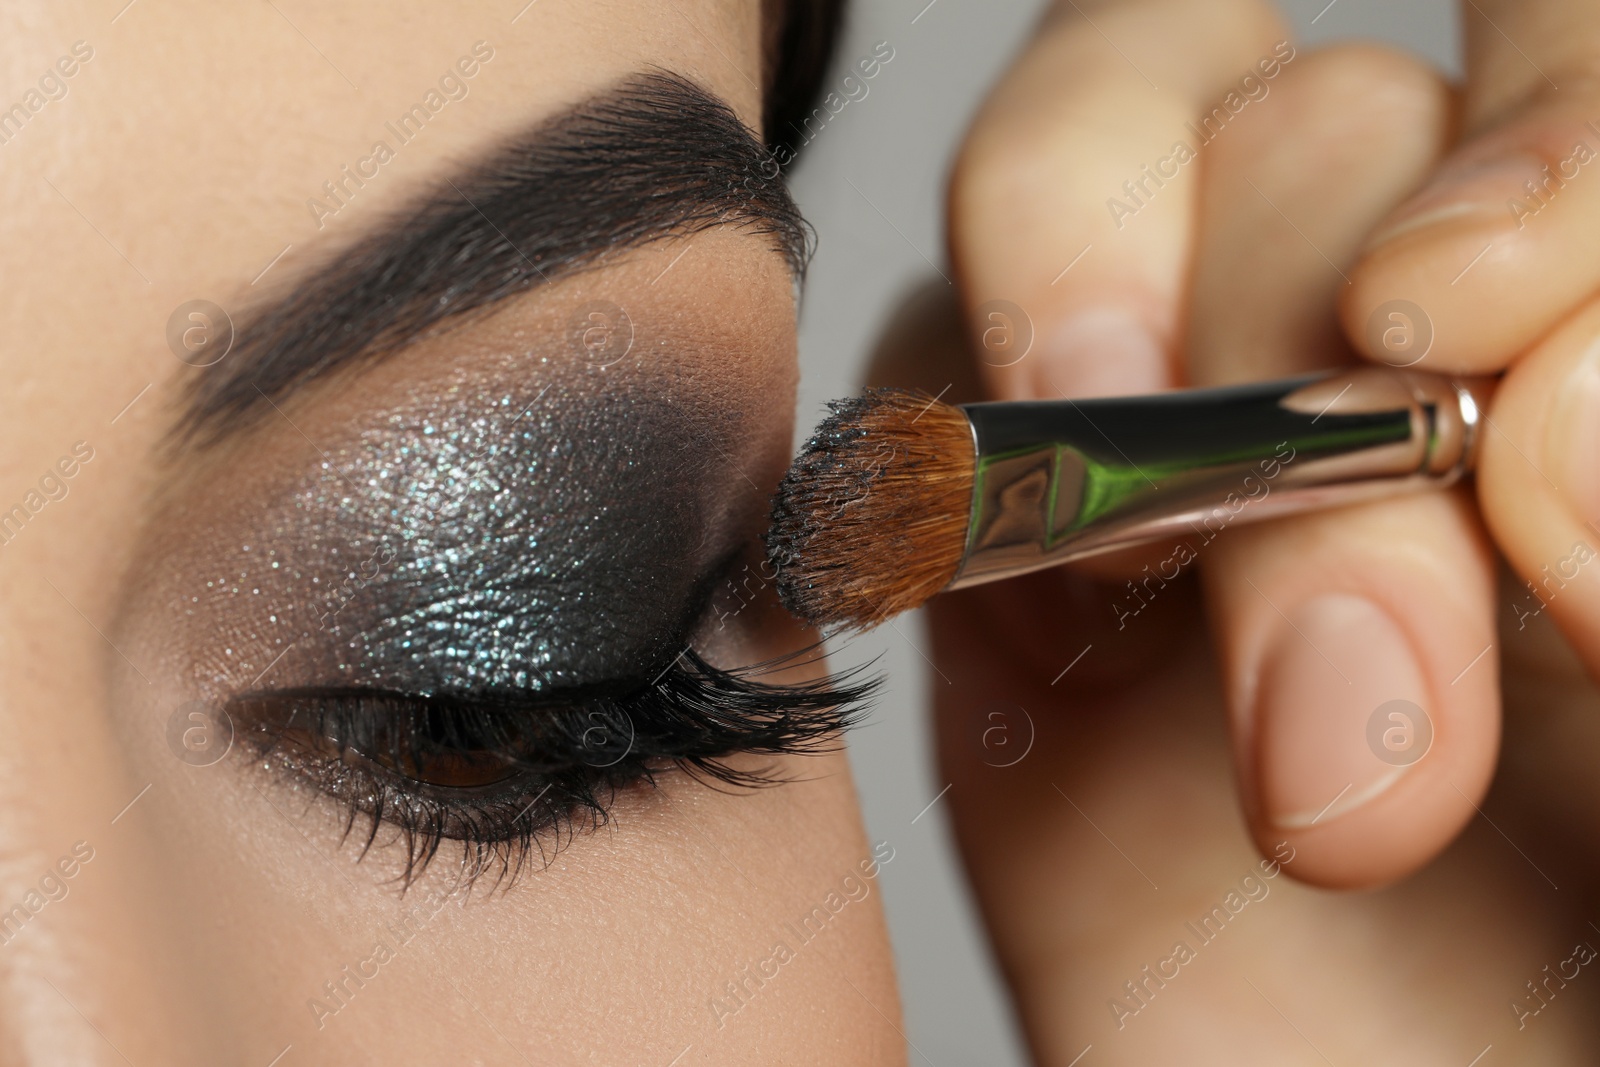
{"type": "Point", "coordinates": [764, 955]}
{"type": "Point", "coordinates": [703, 912]}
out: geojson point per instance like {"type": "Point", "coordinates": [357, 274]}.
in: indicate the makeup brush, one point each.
{"type": "Point", "coordinates": [897, 496]}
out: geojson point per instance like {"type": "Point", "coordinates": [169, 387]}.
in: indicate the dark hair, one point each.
{"type": "Point", "coordinates": [801, 39]}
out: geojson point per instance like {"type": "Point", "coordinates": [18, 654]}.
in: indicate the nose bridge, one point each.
{"type": "Point", "coordinates": [90, 967]}
{"type": "Point", "coordinates": [37, 1023]}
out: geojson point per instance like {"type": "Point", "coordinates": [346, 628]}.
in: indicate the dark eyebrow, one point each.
{"type": "Point", "coordinates": [652, 157]}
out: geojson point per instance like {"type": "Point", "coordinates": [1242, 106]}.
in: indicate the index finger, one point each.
{"type": "Point", "coordinates": [1500, 244]}
{"type": "Point", "coordinates": [1072, 202]}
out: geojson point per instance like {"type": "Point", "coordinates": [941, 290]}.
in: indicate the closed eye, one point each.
{"type": "Point", "coordinates": [506, 773]}
{"type": "Point", "coordinates": [435, 529]}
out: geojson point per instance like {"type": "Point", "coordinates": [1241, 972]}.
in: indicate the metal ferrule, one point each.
{"type": "Point", "coordinates": [1059, 480]}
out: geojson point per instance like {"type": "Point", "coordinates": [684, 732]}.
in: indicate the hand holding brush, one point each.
{"type": "Point", "coordinates": [1237, 706]}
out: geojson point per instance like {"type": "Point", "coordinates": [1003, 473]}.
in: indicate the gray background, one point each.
{"type": "Point", "coordinates": [872, 183]}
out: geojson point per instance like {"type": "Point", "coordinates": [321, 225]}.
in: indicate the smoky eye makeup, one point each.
{"type": "Point", "coordinates": [540, 543]}
{"type": "Point", "coordinates": [464, 614]}
{"type": "Point", "coordinates": [444, 555]}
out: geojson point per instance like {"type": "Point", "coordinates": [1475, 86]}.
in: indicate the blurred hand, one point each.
{"type": "Point", "coordinates": [1165, 193]}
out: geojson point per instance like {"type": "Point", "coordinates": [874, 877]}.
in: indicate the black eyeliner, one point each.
{"type": "Point", "coordinates": [564, 761]}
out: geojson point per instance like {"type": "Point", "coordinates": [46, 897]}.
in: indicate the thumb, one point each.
{"type": "Point", "coordinates": [1539, 482]}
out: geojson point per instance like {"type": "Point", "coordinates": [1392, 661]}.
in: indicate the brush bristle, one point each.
{"type": "Point", "coordinates": [871, 519]}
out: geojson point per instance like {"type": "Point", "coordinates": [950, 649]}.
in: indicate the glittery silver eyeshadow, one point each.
{"type": "Point", "coordinates": [458, 610]}
{"type": "Point", "coordinates": [537, 542]}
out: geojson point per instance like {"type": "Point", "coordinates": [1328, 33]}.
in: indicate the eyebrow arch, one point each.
{"type": "Point", "coordinates": [652, 157]}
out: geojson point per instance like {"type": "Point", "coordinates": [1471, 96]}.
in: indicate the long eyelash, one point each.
{"type": "Point", "coordinates": [564, 760]}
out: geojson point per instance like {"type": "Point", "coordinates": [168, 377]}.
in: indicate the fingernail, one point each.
{"type": "Point", "coordinates": [1335, 662]}
{"type": "Point", "coordinates": [1105, 351]}
{"type": "Point", "coordinates": [1574, 441]}
{"type": "Point", "coordinates": [1469, 189]}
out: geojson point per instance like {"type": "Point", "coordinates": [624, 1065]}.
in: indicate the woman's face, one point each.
{"type": "Point", "coordinates": [340, 644]}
